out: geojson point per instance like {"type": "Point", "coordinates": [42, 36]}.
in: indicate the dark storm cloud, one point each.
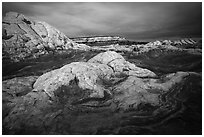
{"type": "Point", "coordinates": [130, 20]}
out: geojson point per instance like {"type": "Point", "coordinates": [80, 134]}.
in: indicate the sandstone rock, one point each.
{"type": "Point", "coordinates": [175, 45]}
{"type": "Point", "coordinates": [113, 47]}
{"type": "Point", "coordinates": [82, 47]}
{"type": "Point", "coordinates": [39, 115]}
{"type": "Point", "coordinates": [26, 111]}
{"type": "Point", "coordinates": [134, 91]}
{"type": "Point", "coordinates": [119, 64]}
{"type": "Point", "coordinates": [85, 74]}
{"type": "Point", "coordinates": [184, 41]}
{"type": "Point", "coordinates": [102, 66]}
{"type": "Point", "coordinates": [18, 86]}
{"type": "Point", "coordinates": [25, 38]}
{"type": "Point", "coordinates": [97, 39]}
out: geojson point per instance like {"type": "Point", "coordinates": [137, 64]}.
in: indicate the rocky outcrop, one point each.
{"type": "Point", "coordinates": [84, 74]}
{"type": "Point", "coordinates": [105, 74]}
{"type": "Point", "coordinates": [120, 65]}
{"type": "Point", "coordinates": [134, 91]}
{"type": "Point", "coordinates": [24, 38]}
{"type": "Point", "coordinates": [184, 41]}
{"type": "Point", "coordinates": [97, 39]}
{"type": "Point", "coordinates": [87, 74]}
{"type": "Point", "coordinates": [62, 101]}
{"type": "Point", "coordinates": [113, 47]}
{"type": "Point", "coordinates": [183, 45]}
{"type": "Point", "coordinates": [127, 84]}
{"type": "Point", "coordinates": [173, 42]}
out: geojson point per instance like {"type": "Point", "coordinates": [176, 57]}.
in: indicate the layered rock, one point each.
{"type": "Point", "coordinates": [97, 39]}
{"type": "Point", "coordinates": [114, 47]}
{"type": "Point", "coordinates": [24, 38]}
{"type": "Point", "coordinates": [184, 41]}
{"type": "Point", "coordinates": [184, 45]}
{"type": "Point", "coordinates": [62, 101]}
{"type": "Point", "coordinates": [173, 42]}
{"type": "Point", "coordinates": [134, 91]}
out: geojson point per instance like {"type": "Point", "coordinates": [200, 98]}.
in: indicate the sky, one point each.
{"type": "Point", "coordinates": [132, 20]}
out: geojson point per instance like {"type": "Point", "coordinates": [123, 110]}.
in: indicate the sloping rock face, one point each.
{"type": "Point", "coordinates": [24, 38]}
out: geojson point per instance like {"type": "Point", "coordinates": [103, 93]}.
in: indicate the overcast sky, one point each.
{"type": "Point", "coordinates": [134, 21]}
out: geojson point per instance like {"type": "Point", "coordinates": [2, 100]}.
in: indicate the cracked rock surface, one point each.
{"type": "Point", "coordinates": [102, 66]}
{"type": "Point", "coordinates": [24, 38]}
{"type": "Point", "coordinates": [97, 90]}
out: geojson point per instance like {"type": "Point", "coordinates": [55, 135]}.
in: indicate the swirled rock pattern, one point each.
{"type": "Point", "coordinates": [101, 97]}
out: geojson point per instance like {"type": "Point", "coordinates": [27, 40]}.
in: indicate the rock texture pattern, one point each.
{"type": "Point", "coordinates": [85, 97]}
{"type": "Point", "coordinates": [89, 92]}
{"type": "Point", "coordinates": [120, 65]}
{"type": "Point", "coordinates": [106, 66]}
{"type": "Point", "coordinates": [103, 66]}
{"type": "Point", "coordinates": [85, 74]}
{"type": "Point", "coordinates": [25, 38]}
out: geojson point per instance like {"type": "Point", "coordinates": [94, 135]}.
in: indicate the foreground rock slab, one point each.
{"type": "Point", "coordinates": [85, 97]}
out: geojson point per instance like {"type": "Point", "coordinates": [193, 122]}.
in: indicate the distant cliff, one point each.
{"type": "Point", "coordinates": [97, 39]}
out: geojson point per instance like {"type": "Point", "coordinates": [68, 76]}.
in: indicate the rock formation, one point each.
{"type": "Point", "coordinates": [97, 39]}
{"type": "Point", "coordinates": [102, 66]}
{"type": "Point", "coordinates": [106, 83]}
{"type": "Point", "coordinates": [106, 66]}
{"type": "Point", "coordinates": [184, 41]}
{"type": "Point", "coordinates": [24, 38]}
{"type": "Point", "coordinates": [94, 89]}
{"type": "Point", "coordinates": [174, 42]}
